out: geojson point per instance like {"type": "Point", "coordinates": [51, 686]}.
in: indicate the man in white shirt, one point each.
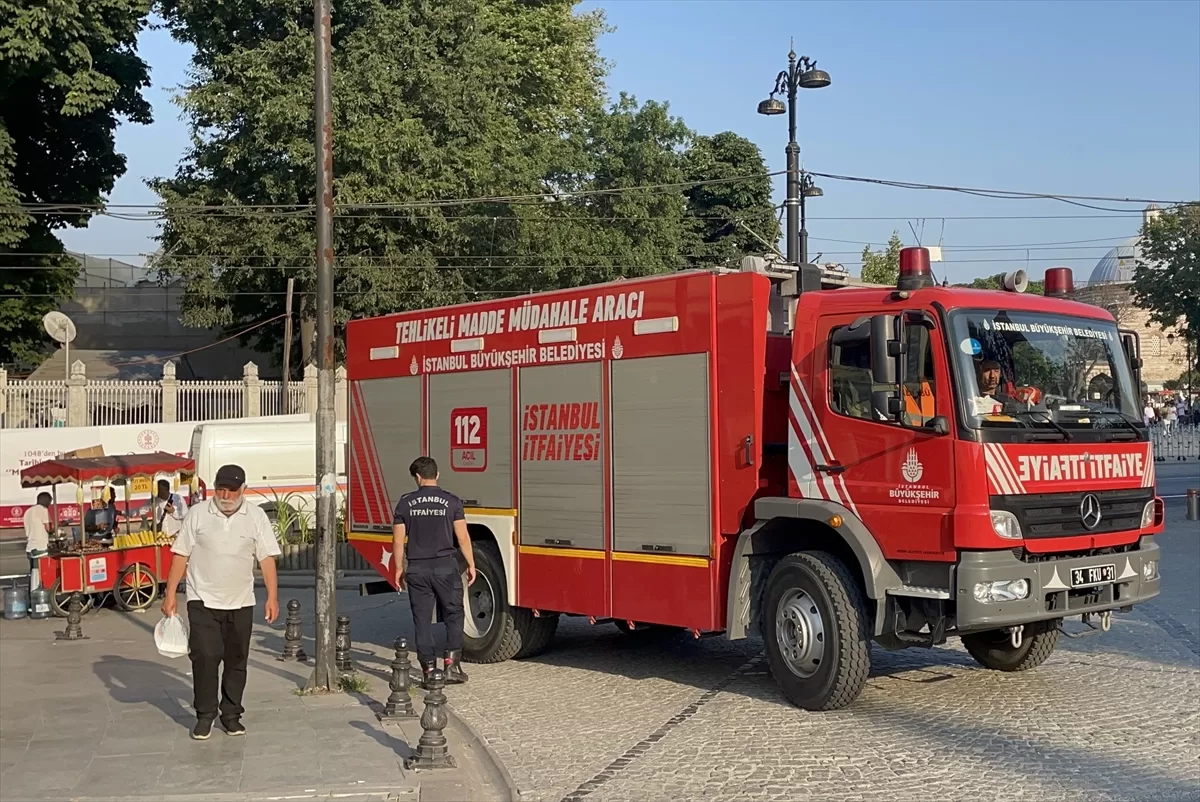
{"type": "Point", "coordinates": [169, 509]}
{"type": "Point", "coordinates": [37, 537]}
{"type": "Point", "coordinates": [216, 547]}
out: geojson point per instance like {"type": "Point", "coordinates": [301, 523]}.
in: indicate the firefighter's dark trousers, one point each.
{"type": "Point", "coordinates": [433, 582]}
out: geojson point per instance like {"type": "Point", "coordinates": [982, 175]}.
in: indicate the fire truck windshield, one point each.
{"type": "Point", "coordinates": [1031, 370]}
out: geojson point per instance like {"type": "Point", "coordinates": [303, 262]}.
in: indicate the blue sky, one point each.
{"type": "Point", "coordinates": [1082, 98]}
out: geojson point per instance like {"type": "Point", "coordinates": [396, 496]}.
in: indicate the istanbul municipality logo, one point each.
{"type": "Point", "coordinates": [912, 468]}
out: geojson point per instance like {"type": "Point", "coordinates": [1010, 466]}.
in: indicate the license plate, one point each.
{"type": "Point", "coordinates": [1095, 575]}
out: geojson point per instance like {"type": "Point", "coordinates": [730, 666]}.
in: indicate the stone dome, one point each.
{"type": "Point", "coordinates": [1117, 266]}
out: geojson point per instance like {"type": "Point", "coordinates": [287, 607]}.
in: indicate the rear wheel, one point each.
{"type": "Point", "coordinates": [993, 649]}
{"type": "Point", "coordinates": [494, 631]}
{"type": "Point", "coordinates": [817, 631]}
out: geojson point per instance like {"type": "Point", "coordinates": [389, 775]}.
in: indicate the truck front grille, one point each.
{"type": "Point", "coordinates": [1057, 514]}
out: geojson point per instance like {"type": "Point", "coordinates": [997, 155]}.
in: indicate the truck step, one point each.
{"type": "Point", "coordinates": [920, 593]}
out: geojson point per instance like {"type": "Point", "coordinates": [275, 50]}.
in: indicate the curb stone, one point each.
{"type": "Point", "coordinates": [472, 737]}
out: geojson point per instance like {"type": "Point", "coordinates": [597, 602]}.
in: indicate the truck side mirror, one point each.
{"type": "Point", "coordinates": [1131, 344]}
{"type": "Point", "coordinates": [888, 347]}
{"type": "Point", "coordinates": [883, 341]}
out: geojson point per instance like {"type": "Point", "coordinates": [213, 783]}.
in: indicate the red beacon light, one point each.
{"type": "Point", "coordinates": [914, 269]}
{"type": "Point", "coordinates": [1059, 282]}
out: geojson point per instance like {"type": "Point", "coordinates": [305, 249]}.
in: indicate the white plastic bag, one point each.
{"type": "Point", "coordinates": [171, 637]}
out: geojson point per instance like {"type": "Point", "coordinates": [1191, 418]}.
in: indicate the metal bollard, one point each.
{"type": "Point", "coordinates": [1193, 504]}
{"type": "Point", "coordinates": [341, 647]}
{"type": "Point", "coordinates": [293, 636]}
{"type": "Point", "coordinates": [432, 752]}
{"type": "Point", "coordinates": [74, 630]}
{"type": "Point", "coordinates": [399, 703]}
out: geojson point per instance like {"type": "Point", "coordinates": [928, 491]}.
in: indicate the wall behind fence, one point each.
{"type": "Point", "coordinates": [77, 401]}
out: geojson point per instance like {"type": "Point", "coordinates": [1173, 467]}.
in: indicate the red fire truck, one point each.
{"type": "Point", "coordinates": [757, 452]}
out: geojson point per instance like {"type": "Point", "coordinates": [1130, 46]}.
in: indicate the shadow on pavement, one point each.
{"type": "Point", "coordinates": [134, 682]}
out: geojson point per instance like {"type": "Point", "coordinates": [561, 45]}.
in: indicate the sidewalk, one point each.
{"type": "Point", "coordinates": [109, 718]}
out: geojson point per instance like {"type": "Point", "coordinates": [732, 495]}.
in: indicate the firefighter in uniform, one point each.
{"type": "Point", "coordinates": [425, 526]}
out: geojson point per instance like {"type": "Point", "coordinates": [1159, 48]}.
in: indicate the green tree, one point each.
{"type": "Point", "coordinates": [432, 100]}
{"type": "Point", "coordinates": [69, 70]}
{"type": "Point", "coordinates": [882, 267]}
{"type": "Point", "coordinates": [1166, 279]}
{"type": "Point", "coordinates": [728, 220]}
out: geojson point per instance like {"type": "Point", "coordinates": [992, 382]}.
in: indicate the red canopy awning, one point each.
{"type": "Point", "coordinates": [104, 469]}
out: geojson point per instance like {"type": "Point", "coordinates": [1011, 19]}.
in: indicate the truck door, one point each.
{"type": "Point", "coordinates": [897, 475]}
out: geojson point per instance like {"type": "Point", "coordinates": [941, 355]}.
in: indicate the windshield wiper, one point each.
{"type": "Point", "coordinates": [1048, 419]}
{"type": "Point", "coordinates": [1121, 417]}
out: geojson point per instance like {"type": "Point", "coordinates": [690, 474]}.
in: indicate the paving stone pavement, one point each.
{"type": "Point", "coordinates": [109, 718]}
{"type": "Point", "coordinates": [610, 717]}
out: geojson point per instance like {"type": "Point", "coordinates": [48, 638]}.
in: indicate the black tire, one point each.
{"type": "Point", "coordinates": [993, 649]}
{"type": "Point", "coordinates": [831, 597]}
{"type": "Point", "coordinates": [514, 631]}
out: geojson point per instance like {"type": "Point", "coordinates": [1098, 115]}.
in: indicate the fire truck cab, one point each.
{"type": "Point", "coordinates": [762, 453]}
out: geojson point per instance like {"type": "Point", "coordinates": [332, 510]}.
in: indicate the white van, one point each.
{"type": "Point", "coordinates": [279, 458]}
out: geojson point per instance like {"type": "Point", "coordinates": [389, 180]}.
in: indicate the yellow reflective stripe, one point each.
{"type": "Point", "coordinates": [660, 559]}
{"type": "Point", "coordinates": [545, 551]}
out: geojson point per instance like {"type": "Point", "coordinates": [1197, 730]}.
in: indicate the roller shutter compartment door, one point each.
{"type": "Point", "coordinates": [393, 421]}
{"type": "Point", "coordinates": [479, 467]}
{"type": "Point", "coordinates": [562, 465]}
{"type": "Point", "coordinates": [661, 455]}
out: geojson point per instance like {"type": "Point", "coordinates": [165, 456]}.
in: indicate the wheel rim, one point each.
{"type": "Point", "coordinates": [479, 603]}
{"type": "Point", "coordinates": [800, 633]}
{"type": "Point", "coordinates": [137, 588]}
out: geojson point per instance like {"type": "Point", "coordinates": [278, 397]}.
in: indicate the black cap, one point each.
{"type": "Point", "coordinates": [230, 477]}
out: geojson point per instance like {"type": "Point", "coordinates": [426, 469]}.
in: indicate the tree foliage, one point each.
{"type": "Point", "coordinates": [1166, 279]}
{"type": "Point", "coordinates": [882, 267]}
{"type": "Point", "coordinates": [730, 219]}
{"type": "Point", "coordinates": [432, 100]}
{"type": "Point", "coordinates": [69, 70]}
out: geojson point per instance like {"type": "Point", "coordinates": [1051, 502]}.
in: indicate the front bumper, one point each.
{"type": "Point", "coordinates": [1050, 595]}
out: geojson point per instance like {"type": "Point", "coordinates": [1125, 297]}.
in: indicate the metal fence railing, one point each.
{"type": "Point", "coordinates": [33, 404]}
{"type": "Point", "coordinates": [1174, 442]}
{"type": "Point", "coordinates": [78, 401]}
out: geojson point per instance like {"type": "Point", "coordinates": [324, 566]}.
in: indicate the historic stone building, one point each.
{"type": "Point", "coordinates": [1163, 351]}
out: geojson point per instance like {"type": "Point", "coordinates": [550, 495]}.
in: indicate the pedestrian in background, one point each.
{"type": "Point", "coordinates": [37, 537]}
{"type": "Point", "coordinates": [169, 509]}
{"type": "Point", "coordinates": [425, 526]}
{"type": "Point", "coordinates": [217, 547]}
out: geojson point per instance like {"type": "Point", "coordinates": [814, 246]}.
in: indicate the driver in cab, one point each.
{"type": "Point", "coordinates": [990, 400]}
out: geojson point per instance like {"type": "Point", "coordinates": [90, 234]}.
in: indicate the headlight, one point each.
{"type": "Point", "coordinates": [1002, 590]}
{"type": "Point", "coordinates": [1149, 569]}
{"type": "Point", "coordinates": [1148, 514]}
{"type": "Point", "coordinates": [1005, 524]}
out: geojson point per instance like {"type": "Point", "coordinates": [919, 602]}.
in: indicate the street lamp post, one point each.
{"type": "Point", "coordinates": [807, 190]}
{"type": "Point", "coordinates": [802, 73]}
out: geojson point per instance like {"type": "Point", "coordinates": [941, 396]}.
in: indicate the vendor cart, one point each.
{"type": "Point", "coordinates": [135, 566]}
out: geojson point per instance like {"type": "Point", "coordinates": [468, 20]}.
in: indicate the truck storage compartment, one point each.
{"type": "Point", "coordinates": [385, 437]}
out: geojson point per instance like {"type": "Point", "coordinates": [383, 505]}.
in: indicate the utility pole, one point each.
{"type": "Point", "coordinates": [325, 672]}
{"type": "Point", "coordinates": [285, 406]}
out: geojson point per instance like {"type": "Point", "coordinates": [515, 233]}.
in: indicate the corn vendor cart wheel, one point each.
{"type": "Point", "coordinates": [60, 600]}
{"type": "Point", "coordinates": [136, 587]}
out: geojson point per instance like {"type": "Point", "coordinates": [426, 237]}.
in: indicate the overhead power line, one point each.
{"type": "Point", "coordinates": [158, 211]}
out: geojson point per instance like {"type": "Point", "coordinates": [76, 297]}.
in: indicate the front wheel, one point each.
{"type": "Point", "coordinates": [817, 631]}
{"type": "Point", "coordinates": [494, 631]}
{"type": "Point", "coordinates": [993, 649]}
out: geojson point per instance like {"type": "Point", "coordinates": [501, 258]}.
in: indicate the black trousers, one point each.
{"type": "Point", "coordinates": [215, 637]}
{"type": "Point", "coordinates": [433, 582]}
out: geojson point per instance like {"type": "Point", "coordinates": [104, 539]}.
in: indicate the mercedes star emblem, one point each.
{"type": "Point", "coordinates": [1089, 511]}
